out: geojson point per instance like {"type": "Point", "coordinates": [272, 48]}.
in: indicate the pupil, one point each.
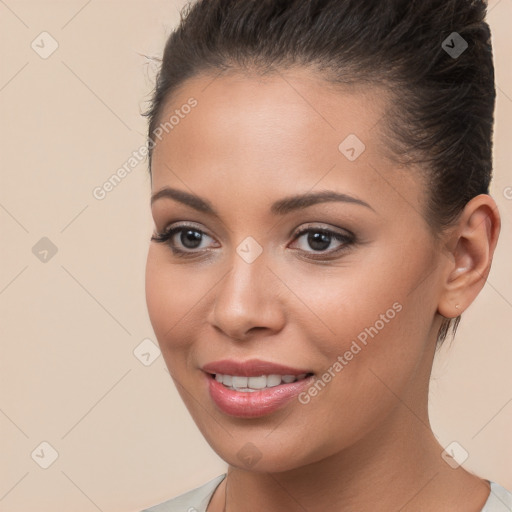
{"type": "Point", "coordinates": [319, 241]}
{"type": "Point", "coordinates": [192, 237]}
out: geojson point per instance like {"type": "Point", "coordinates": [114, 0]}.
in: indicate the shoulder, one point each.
{"type": "Point", "coordinates": [500, 500]}
{"type": "Point", "coordinates": [195, 500]}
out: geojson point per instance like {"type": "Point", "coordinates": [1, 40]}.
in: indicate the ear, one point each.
{"type": "Point", "coordinates": [470, 249]}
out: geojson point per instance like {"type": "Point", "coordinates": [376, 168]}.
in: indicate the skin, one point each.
{"type": "Point", "coordinates": [365, 440]}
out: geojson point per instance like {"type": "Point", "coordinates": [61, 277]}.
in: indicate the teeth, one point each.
{"type": "Point", "coordinates": [257, 382]}
{"type": "Point", "coordinates": [251, 384]}
{"type": "Point", "coordinates": [273, 380]}
{"type": "Point", "coordinates": [239, 382]}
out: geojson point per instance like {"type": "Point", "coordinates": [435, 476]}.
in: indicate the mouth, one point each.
{"type": "Point", "coordinates": [253, 384]}
{"type": "Point", "coordinates": [256, 395]}
{"type": "Point", "coordinates": [254, 387]}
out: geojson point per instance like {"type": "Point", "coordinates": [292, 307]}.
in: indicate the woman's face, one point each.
{"type": "Point", "coordinates": [352, 301]}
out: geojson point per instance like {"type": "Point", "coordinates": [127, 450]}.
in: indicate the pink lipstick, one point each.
{"type": "Point", "coordinates": [254, 388]}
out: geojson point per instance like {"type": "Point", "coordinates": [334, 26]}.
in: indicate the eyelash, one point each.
{"type": "Point", "coordinates": [166, 237]}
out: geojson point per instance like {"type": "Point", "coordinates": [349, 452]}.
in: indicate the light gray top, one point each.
{"type": "Point", "coordinates": [196, 500]}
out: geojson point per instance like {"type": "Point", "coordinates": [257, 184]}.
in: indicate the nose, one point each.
{"type": "Point", "coordinates": [248, 301]}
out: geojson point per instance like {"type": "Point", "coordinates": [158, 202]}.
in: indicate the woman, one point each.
{"type": "Point", "coordinates": [320, 190]}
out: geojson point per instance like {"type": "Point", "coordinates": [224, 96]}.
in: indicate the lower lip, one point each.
{"type": "Point", "coordinates": [253, 404]}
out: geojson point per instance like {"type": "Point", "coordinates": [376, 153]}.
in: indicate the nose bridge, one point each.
{"type": "Point", "coordinates": [242, 289]}
{"type": "Point", "coordinates": [244, 298]}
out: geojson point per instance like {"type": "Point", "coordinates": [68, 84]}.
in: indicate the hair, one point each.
{"type": "Point", "coordinates": [441, 108]}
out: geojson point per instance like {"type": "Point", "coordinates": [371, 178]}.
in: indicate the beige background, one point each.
{"type": "Point", "coordinates": [69, 326]}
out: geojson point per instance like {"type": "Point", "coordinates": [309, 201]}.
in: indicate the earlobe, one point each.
{"type": "Point", "coordinates": [473, 242]}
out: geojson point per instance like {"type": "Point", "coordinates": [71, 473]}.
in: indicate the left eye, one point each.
{"type": "Point", "coordinates": [320, 239]}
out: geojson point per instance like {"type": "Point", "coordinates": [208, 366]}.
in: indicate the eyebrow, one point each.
{"type": "Point", "coordinates": [280, 207]}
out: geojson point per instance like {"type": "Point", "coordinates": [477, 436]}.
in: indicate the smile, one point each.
{"type": "Point", "coordinates": [251, 384]}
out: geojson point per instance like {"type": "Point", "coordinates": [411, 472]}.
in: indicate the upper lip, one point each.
{"type": "Point", "coordinates": [251, 368]}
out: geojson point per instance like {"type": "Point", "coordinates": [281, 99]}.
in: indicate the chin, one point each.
{"type": "Point", "coordinates": [261, 454]}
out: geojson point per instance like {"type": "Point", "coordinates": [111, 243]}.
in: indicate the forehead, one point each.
{"type": "Point", "coordinates": [294, 108]}
{"type": "Point", "coordinates": [280, 131]}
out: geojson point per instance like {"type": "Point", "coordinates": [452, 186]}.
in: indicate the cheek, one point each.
{"type": "Point", "coordinates": [157, 296]}
{"type": "Point", "coordinates": [369, 328]}
{"type": "Point", "coordinates": [177, 298]}
{"type": "Point", "coordinates": [168, 298]}
{"type": "Point", "coordinates": [360, 301]}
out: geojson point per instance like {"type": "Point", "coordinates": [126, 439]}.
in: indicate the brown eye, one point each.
{"type": "Point", "coordinates": [190, 238]}
{"type": "Point", "coordinates": [320, 240]}
{"type": "Point", "coordinates": [188, 241]}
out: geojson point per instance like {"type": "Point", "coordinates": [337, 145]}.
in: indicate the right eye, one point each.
{"type": "Point", "coordinates": [190, 238]}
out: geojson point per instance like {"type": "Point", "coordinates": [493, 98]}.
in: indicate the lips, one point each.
{"type": "Point", "coordinates": [251, 368]}
{"type": "Point", "coordinates": [250, 403]}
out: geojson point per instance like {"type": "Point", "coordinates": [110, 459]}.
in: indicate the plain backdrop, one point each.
{"type": "Point", "coordinates": [78, 392]}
